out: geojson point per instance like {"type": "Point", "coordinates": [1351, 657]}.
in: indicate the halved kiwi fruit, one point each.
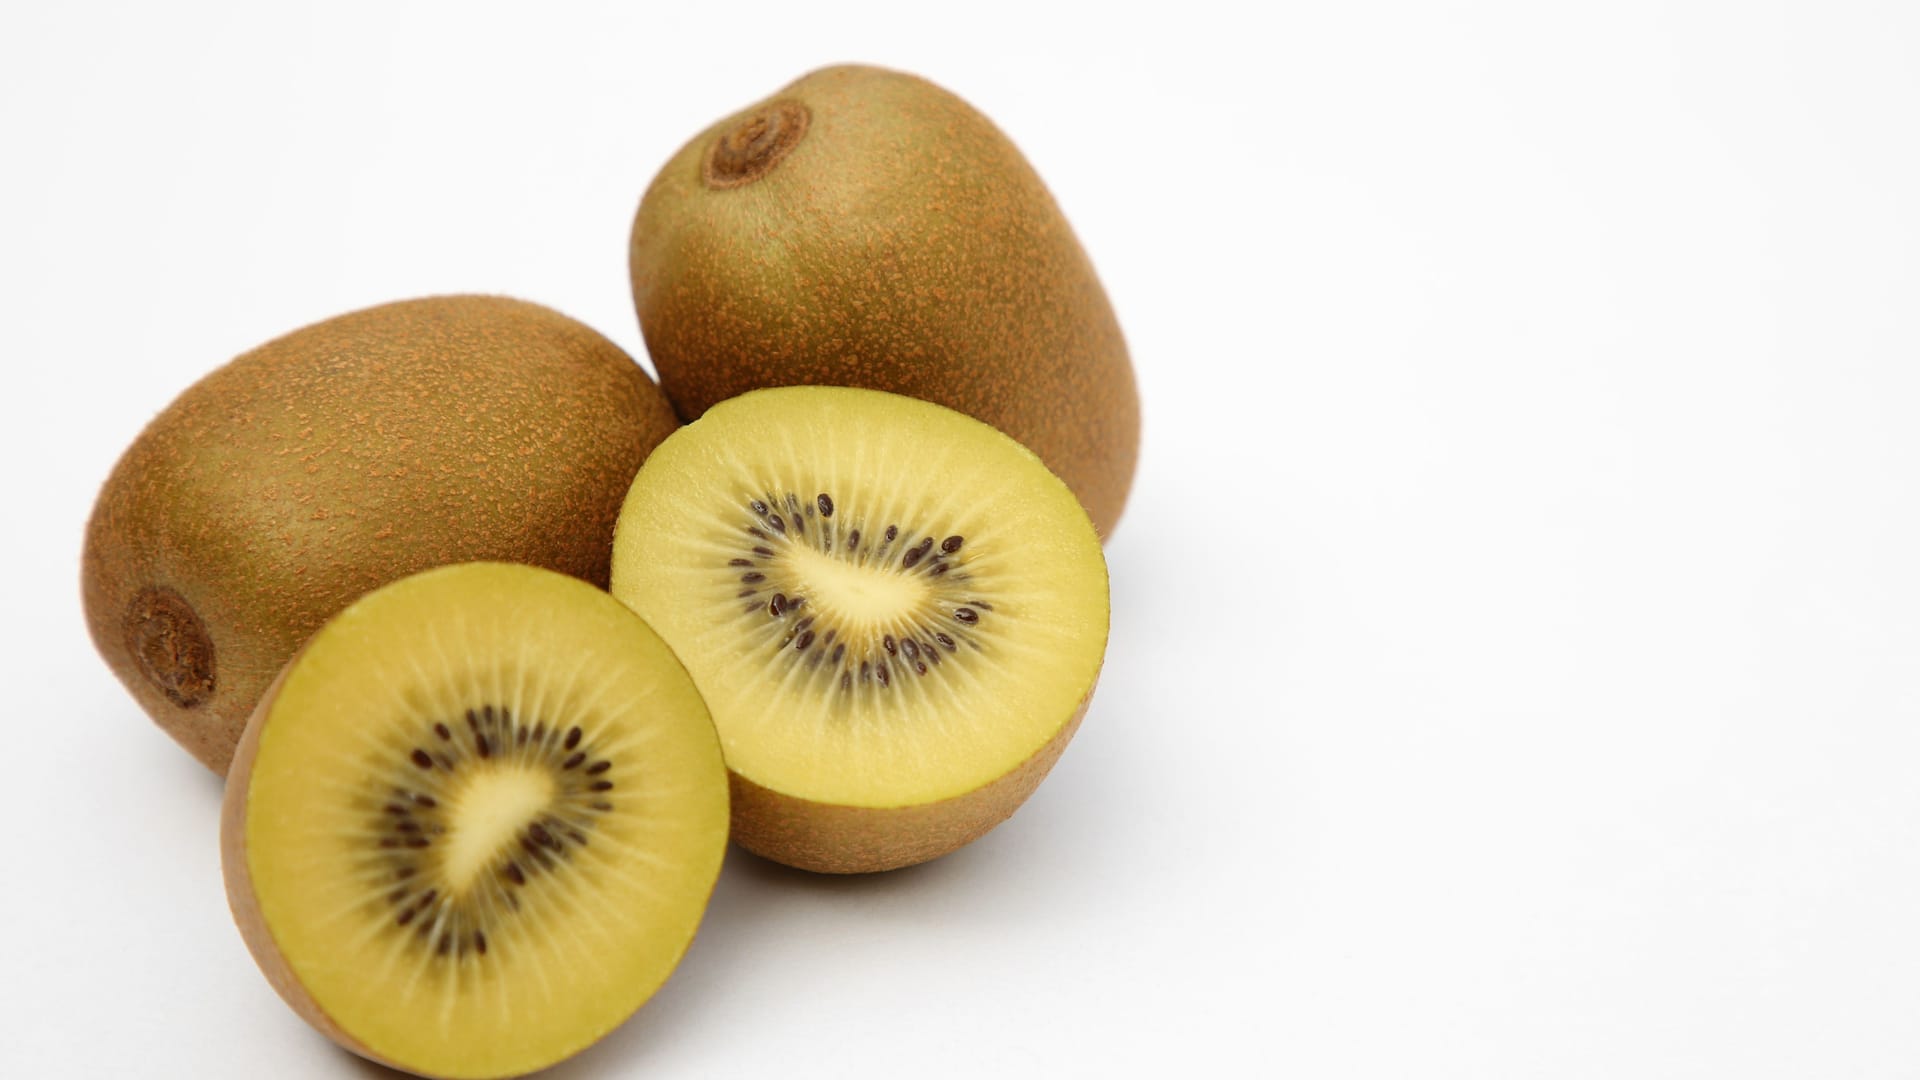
{"type": "Point", "coordinates": [895, 613]}
{"type": "Point", "coordinates": [474, 824]}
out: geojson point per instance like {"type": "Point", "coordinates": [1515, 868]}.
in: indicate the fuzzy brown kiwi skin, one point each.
{"type": "Point", "coordinates": [340, 457]}
{"type": "Point", "coordinates": [899, 242]}
{"type": "Point", "coordinates": [831, 839]}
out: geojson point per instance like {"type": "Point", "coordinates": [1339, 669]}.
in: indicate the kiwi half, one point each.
{"type": "Point", "coordinates": [341, 457]}
{"type": "Point", "coordinates": [895, 613]}
{"type": "Point", "coordinates": [475, 823]}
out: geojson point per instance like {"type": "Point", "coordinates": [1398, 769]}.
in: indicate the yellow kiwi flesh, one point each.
{"type": "Point", "coordinates": [895, 614]}
{"type": "Point", "coordinates": [338, 458]}
{"type": "Point", "coordinates": [475, 824]}
{"type": "Point", "coordinates": [864, 227]}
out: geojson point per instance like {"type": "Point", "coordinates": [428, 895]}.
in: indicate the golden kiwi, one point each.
{"type": "Point", "coordinates": [864, 227]}
{"type": "Point", "coordinates": [476, 822]}
{"type": "Point", "coordinates": [343, 456]}
{"type": "Point", "coordinates": [895, 614]}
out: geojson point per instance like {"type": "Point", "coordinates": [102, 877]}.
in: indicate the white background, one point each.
{"type": "Point", "coordinates": [1516, 651]}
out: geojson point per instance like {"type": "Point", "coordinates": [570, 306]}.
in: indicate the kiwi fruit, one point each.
{"type": "Point", "coordinates": [338, 458]}
{"type": "Point", "coordinates": [895, 614]}
{"type": "Point", "coordinates": [864, 227]}
{"type": "Point", "coordinates": [475, 823]}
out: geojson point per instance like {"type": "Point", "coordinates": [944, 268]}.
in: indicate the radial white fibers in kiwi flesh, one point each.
{"type": "Point", "coordinates": [895, 613]}
{"type": "Point", "coordinates": [475, 823]}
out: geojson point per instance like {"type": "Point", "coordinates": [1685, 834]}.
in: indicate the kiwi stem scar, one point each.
{"type": "Point", "coordinates": [166, 637]}
{"type": "Point", "coordinates": [751, 148]}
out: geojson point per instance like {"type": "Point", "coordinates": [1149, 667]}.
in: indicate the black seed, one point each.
{"type": "Point", "coordinates": [397, 895]}
{"type": "Point", "coordinates": [395, 808]}
{"type": "Point", "coordinates": [846, 680]}
{"type": "Point", "coordinates": [600, 785]}
{"type": "Point", "coordinates": [406, 916]}
{"type": "Point", "coordinates": [540, 732]}
{"type": "Point", "coordinates": [918, 552]}
{"type": "Point", "coordinates": [893, 649]}
{"type": "Point", "coordinates": [480, 744]}
{"type": "Point", "coordinates": [577, 837]}
{"type": "Point", "coordinates": [421, 759]}
{"type": "Point", "coordinates": [542, 837]}
{"type": "Point", "coordinates": [940, 569]}
{"type": "Point", "coordinates": [601, 805]}
{"type": "Point", "coordinates": [513, 901]}
{"type": "Point", "coordinates": [520, 736]}
{"type": "Point", "coordinates": [405, 872]}
{"type": "Point", "coordinates": [767, 551]}
{"type": "Point", "coordinates": [574, 759]}
{"type": "Point", "coordinates": [389, 842]}
{"type": "Point", "coordinates": [531, 848]}
{"type": "Point", "coordinates": [930, 652]}
{"type": "Point", "coordinates": [952, 544]}
{"type": "Point", "coordinates": [739, 562]}
{"type": "Point", "coordinates": [426, 898]}
{"type": "Point", "coordinates": [919, 667]}
{"type": "Point", "coordinates": [884, 680]}
{"type": "Point", "coordinates": [803, 623]}
{"type": "Point", "coordinates": [446, 944]}
{"type": "Point", "coordinates": [805, 639]}
{"type": "Point", "coordinates": [853, 539]}
{"type": "Point", "coordinates": [426, 801]}
{"type": "Point", "coordinates": [473, 719]}
{"type": "Point", "coordinates": [480, 943]}
{"type": "Point", "coordinates": [966, 615]}
{"type": "Point", "coordinates": [866, 670]}
{"type": "Point", "coordinates": [778, 525]}
{"type": "Point", "coordinates": [514, 875]}
{"type": "Point", "coordinates": [796, 603]}
{"type": "Point", "coordinates": [839, 651]}
{"type": "Point", "coordinates": [758, 507]}
{"type": "Point", "coordinates": [799, 526]}
{"type": "Point", "coordinates": [751, 578]}
{"type": "Point", "coordinates": [758, 533]}
{"type": "Point", "coordinates": [744, 593]}
{"type": "Point", "coordinates": [910, 647]}
{"type": "Point", "coordinates": [981, 604]}
{"type": "Point", "coordinates": [486, 713]}
{"type": "Point", "coordinates": [892, 531]}
{"type": "Point", "coordinates": [599, 767]}
{"type": "Point", "coordinates": [573, 737]}
{"type": "Point", "coordinates": [407, 827]}
{"type": "Point", "coordinates": [825, 503]}
{"type": "Point", "coordinates": [441, 730]}
{"type": "Point", "coordinates": [417, 841]}
{"type": "Point", "coordinates": [777, 606]}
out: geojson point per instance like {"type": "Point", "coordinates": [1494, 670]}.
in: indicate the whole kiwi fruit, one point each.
{"type": "Point", "coordinates": [866, 228]}
{"type": "Point", "coordinates": [351, 453]}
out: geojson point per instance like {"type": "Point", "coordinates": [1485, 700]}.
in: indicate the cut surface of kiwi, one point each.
{"type": "Point", "coordinates": [895, 613]}
{"type": "Point", "coordinates": [476, 822]}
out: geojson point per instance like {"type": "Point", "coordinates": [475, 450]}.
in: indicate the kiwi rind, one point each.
{"type": "Point", "coordinates": [340, 457]}
{"type": "Point", "coordinates": [899, 242]}
{"type": "Point", "coordinates": [827, 838]}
